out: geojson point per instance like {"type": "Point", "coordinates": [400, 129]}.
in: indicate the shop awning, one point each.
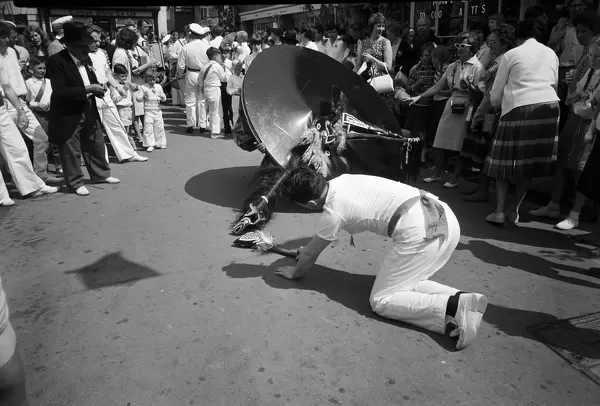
{"type": "Point", "coordinates": [281, 9]}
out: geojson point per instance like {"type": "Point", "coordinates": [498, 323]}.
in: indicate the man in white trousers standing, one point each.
{"type": "Point", "coordinates": [34, 130]}
{"type": "Point", "coordinates": [191, 60]}
{"type": "Point", "coordinates": [425, 233]}
{"type": "Point", "coordinates": [109, 116]}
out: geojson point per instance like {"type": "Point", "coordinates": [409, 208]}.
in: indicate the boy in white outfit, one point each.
{"type": "Point", "coordinates": [152, 94]}
{"type": "Point", "coordinates": [212, 74]}
{"type": "Point", "coordinates": [234, 88]}
{"type": "Point", "coordinates": [425, 233]}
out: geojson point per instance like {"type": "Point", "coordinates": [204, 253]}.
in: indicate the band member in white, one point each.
{"type": "Point", "coordinates": [425, 233]}
{"type": "Point", "coordinates": [191, 60]}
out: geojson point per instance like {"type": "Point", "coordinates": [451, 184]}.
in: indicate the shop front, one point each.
{"type": "Point", "coordinates": [110, 19]}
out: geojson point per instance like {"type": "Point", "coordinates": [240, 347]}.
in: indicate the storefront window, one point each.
{"type": "Point", "coordinates": [479, 12]}
{"type": "Point", "coordinates": [451, 18]}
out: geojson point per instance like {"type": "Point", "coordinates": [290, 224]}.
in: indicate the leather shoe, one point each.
{"type": "Point", "coordinates": [53, 179]}
{"type": "Point", "coordinates": [82, 191]}
{"type": "Point", "coordinates": [110, 180]}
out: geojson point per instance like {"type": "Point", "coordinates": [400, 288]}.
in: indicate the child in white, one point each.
{"type": "Point", "coordinates": [124, 103]}
{"type": "Point", "coordinates": [212, 74]}
{"type": "Point", "coordinates": [154, 127]}
{"type": "Point", "coordinates": [234, 88]}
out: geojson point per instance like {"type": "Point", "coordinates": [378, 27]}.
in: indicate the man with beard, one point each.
{"type": "Point", "coordinates": [109, 115]}
{"type": "Point", "coordinates": [74, 121]}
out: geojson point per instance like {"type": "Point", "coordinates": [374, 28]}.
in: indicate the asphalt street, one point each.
{"type": "Point", "coordinates": [134, 296]}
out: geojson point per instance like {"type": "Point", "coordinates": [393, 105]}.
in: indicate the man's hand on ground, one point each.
{"type": "Point", "coordinates": [288, 272]}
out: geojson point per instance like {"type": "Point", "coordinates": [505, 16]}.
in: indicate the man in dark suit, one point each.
{"type": "Point", "coordinates": [74, 123]}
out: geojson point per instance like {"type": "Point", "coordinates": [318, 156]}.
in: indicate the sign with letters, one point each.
{"type": "Point", "coordinates": [111, 13]}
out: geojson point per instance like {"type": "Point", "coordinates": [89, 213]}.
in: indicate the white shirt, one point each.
{"type": "Point", "coordinates": [322, 46]}
{"type": "Point", "coordinates": [33, 88]}
{"type": "Point", "coordinates": [216, 42]}
{"type": "Point", "coordinates": [472, 70]}
{"type": "Point", "coordinates": [193, 55]}
{"type": "Point", "coordinates": [154, 96]}
{"type": "Point", "coordinates": [335, 50]}
{"type": "Point", "coordinates": [234, 84]}
{"type": "Point", "coordinates": [82, 71]}
{"type": "Point", "coordinates": [4, 78]}
{"type": "Point", "coordinates": [249, 60]}
{"type": "Point", "coordinates": [525, 76]}
{"type": "Point", "coordinates": [311, 45]}
{"type": "Point", "coordinates": [100, 64]}
{"type": "Point", "coordinates": [13, 70]}
{"type": "Point", "coordinates": [358, 203]}
{"type": "Point", "coordinates": [245, 51]}
{"type": "Point", "coordinates": [215, 76]}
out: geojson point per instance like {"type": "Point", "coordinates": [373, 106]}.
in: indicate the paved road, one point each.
{"type": "Point", "coordinates": [134, 296]}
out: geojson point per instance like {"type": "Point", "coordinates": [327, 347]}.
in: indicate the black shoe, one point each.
{"type": "Point", "coordinates": [189, 130]}
{"type": "Point", "coordinates": [202, 130]}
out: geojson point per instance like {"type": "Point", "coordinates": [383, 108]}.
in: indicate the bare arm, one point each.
{"type": "Point", "coordinates": [306, 259]}
{"type": "Point", "coordinates": [359, 54]}
{"type": "Point", "coordinates": [12, 97]}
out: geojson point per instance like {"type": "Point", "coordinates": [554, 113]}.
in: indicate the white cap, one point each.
{"type": "Point", "coordinates": [198, 29]}
{"type": "Point", "coordinates": [10, 23]}
{"type": "Point", "coordinates": [58, 23]}
{"type": "Point", "coordinates": [166, 38]}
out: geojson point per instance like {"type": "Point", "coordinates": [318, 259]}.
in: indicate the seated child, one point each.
{"type": "Point", "coordinates": [154, 127]}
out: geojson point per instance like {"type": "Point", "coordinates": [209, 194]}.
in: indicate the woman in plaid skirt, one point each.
{"type": "Point", "coordinates": [526, 140]}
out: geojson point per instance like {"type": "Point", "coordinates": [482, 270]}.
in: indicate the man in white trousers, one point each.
{"type": "Point", "coordinates": [191, 60]}
{"type": "Point", "coordinates": [13, 148]}
{"type": "Point", "coordinates": [109, 116]}
{"type": "Point", "coordinates": [34, 130]}
{"type": "Point", "coordinates": [425, 233]}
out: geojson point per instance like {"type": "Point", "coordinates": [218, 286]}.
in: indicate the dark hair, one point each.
{"type": "Point", "coordinates": [441, 52]}
{"type": "Point", "coordinates": [428, 46]}
{"type": "Point", "coordinates": [174, 31]}
{"type": "Point", "coordinates": [142, 21]}
{"type": "Point", "coordinates": [348, 39]}
{"type": "Point", "coordinates": [349, 62]}
{"type": "Point", "coordinates": [129, 22]}
{"type": "Point", "coordinates": [278, 32]}
{"type": "Point", "coordinates": [126, 39]}
{"type": "Point", "coordinates": [212, 52]}
{"type": "Point", "coordinates": [5, 29]}
{"type": "Point", "coordinates": [376, 18]}
{"type": "Point", "coordinates": [331, 27]}
{"type": "Point", "coordinates": [528, 29]}
{"type": "Point", "coordinates": [36, 60]}
{"type": "Point", "coordinates": [120, 69]}
{"type": "Point", "coordinates": [43, 46]}
{"type": "Point", "coordinates": [472, 38]}
{"type": "Point", "coordinates": [304, 185]}
{"type": "Point", "coordinates": [498, 17]}
{"type": "Point", "coordinates": [587, 20]}
{"type": "Point", "coordinates": [95, 28]}
{"type": "Point", "coordinates": [309, 33]}
{"type": "Point", "coordinates": [506, 35]}
{"type": "Point", "coordinates": [256, 39]}
{"type": "Point", "coordinates": [406, 32]}
{"type": "Point", "coordinates": [536, 14]}
{"type": "Point", "coordinates": [216, 31]}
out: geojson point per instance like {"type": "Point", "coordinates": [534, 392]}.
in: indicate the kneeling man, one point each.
{"type": "Point", "coordinates": [425, 233]}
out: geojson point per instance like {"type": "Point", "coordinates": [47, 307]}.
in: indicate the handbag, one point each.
{"type": "Point", "coordinates": [458, 104]}
{"type": "Point", "coordinates": [384, 83]}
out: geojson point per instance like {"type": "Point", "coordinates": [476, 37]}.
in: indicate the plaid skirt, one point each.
{"type": "Point", "coordinates": [475, 149]}
{"type": "Point", "coordinates": [525, 144]}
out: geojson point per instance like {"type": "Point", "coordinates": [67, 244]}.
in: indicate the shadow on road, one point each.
{"type": "Point", "coordinates": [524, 261]}
{"type": "Point", "coordinates": [229, 187]}
{"type": "Point", "coordinates": [112, 270]}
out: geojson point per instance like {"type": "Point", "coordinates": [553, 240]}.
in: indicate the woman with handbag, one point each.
{"type": "Point", "coordinates": [462, 75]}
{"type": "Point", "coordinates": [376, 51]}
{"type": "Point", "coordinates": [574, 141]}
{"type": "Point", "coordinates": [525, 142]}
{"type": "Point", "coordinates": [477, 143]}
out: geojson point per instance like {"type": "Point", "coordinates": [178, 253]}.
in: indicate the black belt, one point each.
{"type": "Point", "coordinates": [436, 223]}
{"type": "Point", "coordinates": [193, 70]}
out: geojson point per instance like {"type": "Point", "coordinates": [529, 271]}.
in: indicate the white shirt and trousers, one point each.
{"type": "Point", "coordinates": [402, 289]}
{"type": "Point", "coordinates": [173, 55]}
{"type": "Point", "coordinates": [34, 130]}
{"type": "Point", "coordinates": [109, 116]}
{"type": "Point", "coordinates": [154, 125]}
{"type": "Point", "coordinates": [14, 151]}
{"type": "Point", "coordinates": [211, 76]}
{"type": "Point", "coordinates": [193, 58]}
{"type": "Point", "coordinates": [234, 88]}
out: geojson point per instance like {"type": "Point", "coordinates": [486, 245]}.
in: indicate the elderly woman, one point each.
{"type": "Point", "coordinates": [376, 51]}
{"type": "Point", "coordinates": [572, 142]}
{"type": "Point", "coordinates": [135, 59]}
{"type": "Point", "coordinates": [476, 145]}
{"type": "Point", "coordinates": [463, 77]}
{"type": "Point", "coordinates": [527, 136]}
{"type": "Point", "coordinates": [38, 42]}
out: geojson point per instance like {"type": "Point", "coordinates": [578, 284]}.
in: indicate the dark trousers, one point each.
{"type": "Point", "coordinates": [227, 108]}
{"type": "Point", "coordinates": [87, 140]}
{"type": "Point", "coordinates": [53, 155]}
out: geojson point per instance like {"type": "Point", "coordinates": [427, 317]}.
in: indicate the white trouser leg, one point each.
{"type": "Point", "coordinates": [202, 117]}
{"type": "Point", "coordinates": [35, 133]}
{"type": "Point", "coordinates": [213, 100]}
{"type": "Point", "coordinates": [191, 97]}
{"type": "Point", "coordinates": [14, 151]}
{"type": "Point", "coordinates": [235, 106]}
{"type": "Point", "coordinates": [148, 136]}
{"type": "Point", "coordinates": [115, 129]}
{"type": "Point", "coordinates": [3, 191]}
{"type": "Point", "coordinates": [401, 290]}
{"type": "Point", "coordinates": [160, 137]}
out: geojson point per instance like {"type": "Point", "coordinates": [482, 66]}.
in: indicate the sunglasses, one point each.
{"type": "Point", "coordinates": [461, 46]}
